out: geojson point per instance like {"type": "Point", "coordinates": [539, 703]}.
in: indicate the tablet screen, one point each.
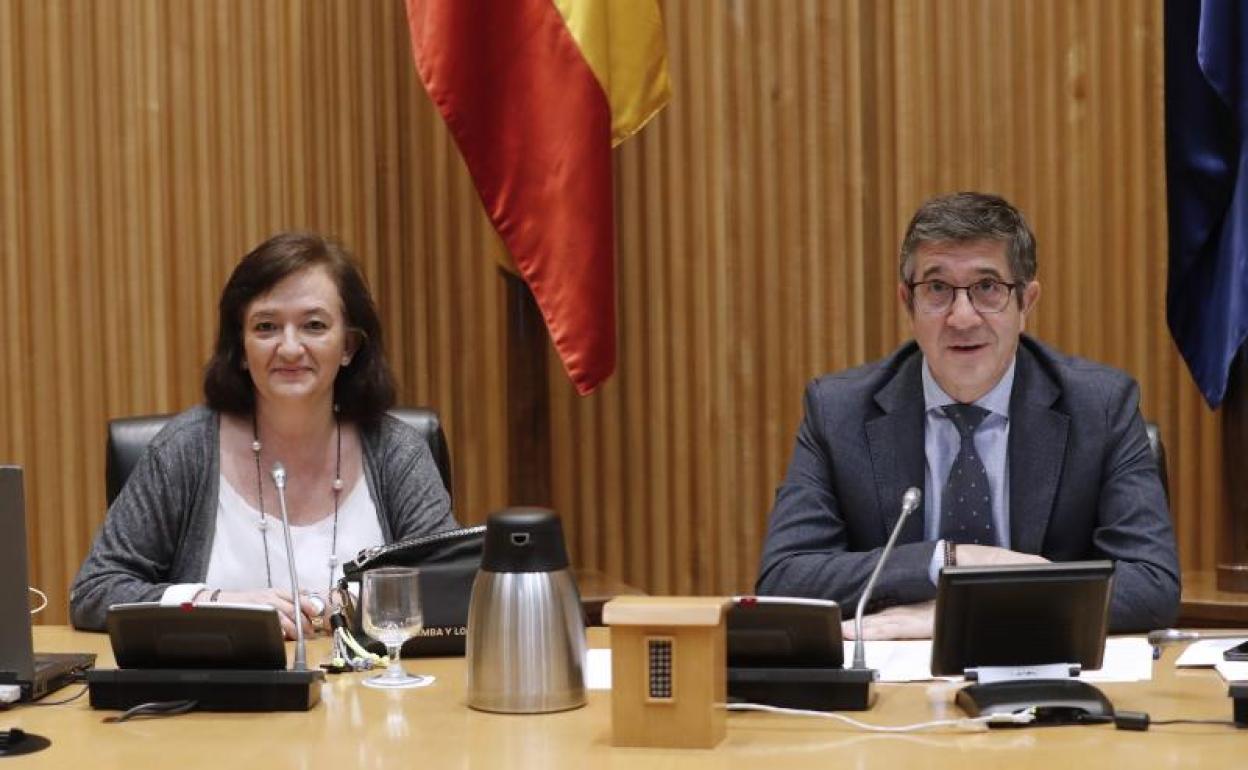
{"type": "Point", "coordinates": [220, 636]}
{"type": "Point", "coordinates": [1021, 615]}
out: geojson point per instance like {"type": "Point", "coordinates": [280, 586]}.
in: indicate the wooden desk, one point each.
{"type": "Point", "coordinates": [1204, 606]}
{"type": "Point", "coordinates": [356, 727]}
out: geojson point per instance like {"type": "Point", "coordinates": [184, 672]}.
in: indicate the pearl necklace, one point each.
{"type": "Point", "coordinates": [337, 492]}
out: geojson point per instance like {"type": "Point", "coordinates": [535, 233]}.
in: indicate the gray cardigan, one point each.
{"type": "Point", "coordinates": [159, 530]}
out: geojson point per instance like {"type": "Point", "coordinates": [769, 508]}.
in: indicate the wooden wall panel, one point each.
{"type": "Point", "coordinates": [146, 144]}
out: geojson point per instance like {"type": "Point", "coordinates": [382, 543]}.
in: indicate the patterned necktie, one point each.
{"type": "Point", "coordinates": [966, 515]}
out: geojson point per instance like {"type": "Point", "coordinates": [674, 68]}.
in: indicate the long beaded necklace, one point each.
{"type": "Point", "coordinates": [337, 492]}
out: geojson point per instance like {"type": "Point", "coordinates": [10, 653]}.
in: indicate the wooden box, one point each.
{"type": "Point", "coordinates": [668, 676]}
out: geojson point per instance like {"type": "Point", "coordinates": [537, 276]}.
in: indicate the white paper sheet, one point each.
{"type": "Point", "coordinates": [903, 661]}
{"type": "Point", "coordinates": [1232, 670]}
{"type": "Point", "coordinates": [1206, 652]}
{"type": "Point", "coordinates": [598, 669]}
{"type": "Point", "coordinates": [1127, 659]}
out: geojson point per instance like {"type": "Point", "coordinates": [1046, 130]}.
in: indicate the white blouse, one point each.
{"type": "Point", "coordinates": [238, 548]}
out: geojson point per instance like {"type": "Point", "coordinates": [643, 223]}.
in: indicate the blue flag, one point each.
{"type": "Point", "coordinates": [1207, 185]}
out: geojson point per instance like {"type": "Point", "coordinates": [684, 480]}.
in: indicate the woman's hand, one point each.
{"type": "Point", "coordinates": [310, 612]}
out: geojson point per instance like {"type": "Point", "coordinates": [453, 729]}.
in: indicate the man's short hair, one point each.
{"type": "Point", "coordinates": [970, 216]}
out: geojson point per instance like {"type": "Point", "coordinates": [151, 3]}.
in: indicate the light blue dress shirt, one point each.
{"type": "Point", "coordinates": [940, 446]}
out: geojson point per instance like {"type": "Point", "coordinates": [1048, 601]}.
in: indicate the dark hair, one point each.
{"type": "Point", "coordinates": [363, 391]}
{"type": "Point", "coordinates": [972, 216]}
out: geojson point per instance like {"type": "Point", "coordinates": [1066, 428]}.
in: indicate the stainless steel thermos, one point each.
{"type": "Point", "coordinates": [526, 631]}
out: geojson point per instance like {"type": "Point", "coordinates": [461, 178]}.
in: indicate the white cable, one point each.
{"type": "Point", "coordinates": [966, 723]}
{"type": "Point", "coordinates": [41, 595]}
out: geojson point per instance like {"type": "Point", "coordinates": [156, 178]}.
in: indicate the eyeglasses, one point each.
{"type": "Point", "coordinates": [987, 295]}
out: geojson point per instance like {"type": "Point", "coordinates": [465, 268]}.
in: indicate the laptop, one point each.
{"type": "Point", "coordinates": [36, 673]}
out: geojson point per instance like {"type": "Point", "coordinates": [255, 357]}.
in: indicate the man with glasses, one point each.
{"type": "Point", "coordinates": [1023, 454]}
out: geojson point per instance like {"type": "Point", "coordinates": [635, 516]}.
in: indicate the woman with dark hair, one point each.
{"type": "Point", "coordinates": [298, 377]}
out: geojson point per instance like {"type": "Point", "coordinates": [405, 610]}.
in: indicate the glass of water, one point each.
{"type": "Point", "coordinates": [391, 607]}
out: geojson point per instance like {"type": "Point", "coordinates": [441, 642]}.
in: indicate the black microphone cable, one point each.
{"type": "Point", "coordinates": [164, 708]}
{"type": "Point", "coordinates": [1140, 721]}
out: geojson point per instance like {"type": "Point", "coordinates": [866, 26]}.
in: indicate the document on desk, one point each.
{"type": "Point", "coordinates": [1127, 659]}
{"type": "Point", "coordinates": [1206, 652]}
{"type": "Point", "coordinates": [598, 668]}
{"type": "Point", "coordinates": [1232, 670]}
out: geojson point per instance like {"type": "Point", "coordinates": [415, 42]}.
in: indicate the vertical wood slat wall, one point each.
{"type": "Point", "coordinates": [146, 144]}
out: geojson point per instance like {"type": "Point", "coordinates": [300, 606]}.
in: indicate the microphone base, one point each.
{"type": "Point", "coordinates": [812, 689]}
{"type": "Point", "coordinates": [212, 689]}
{"type": "Point", "coordinates": [1056, 701]}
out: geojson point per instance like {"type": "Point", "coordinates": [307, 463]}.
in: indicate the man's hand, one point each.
{"type": "Point", "coordinates": [914, 621]}
{"type": "Point", "coordinates": [992, 556]}
{"type": "Point", "coordinates": [905, 621]}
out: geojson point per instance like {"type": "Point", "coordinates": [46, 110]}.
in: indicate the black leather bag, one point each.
{"type": "Point", "coordinates": [448, 563]}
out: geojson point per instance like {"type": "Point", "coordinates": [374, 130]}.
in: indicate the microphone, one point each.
{"type": "Point", "coordinates": [909, 501]}
{"type": "Point", "coordinates": [301, 647]}
{"type": "Point", "coordinates": [1174, 636]}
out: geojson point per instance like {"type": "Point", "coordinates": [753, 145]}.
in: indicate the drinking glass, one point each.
{"type": "Point", "coordinates": [391, 599]}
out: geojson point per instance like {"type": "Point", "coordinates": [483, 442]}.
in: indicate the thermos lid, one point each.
{"type": "Point", "coordinates": [524, 540]}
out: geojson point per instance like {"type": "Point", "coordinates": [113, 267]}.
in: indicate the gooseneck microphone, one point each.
{"type": "Point", "coordinates": [909, 501]}
{"type": "Point", "coordinates": [301, 648]}
{"type": "Point", "coordinates": [1174, 636]}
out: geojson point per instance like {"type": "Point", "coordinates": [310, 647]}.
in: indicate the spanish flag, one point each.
{"type": "Point", "coordinates": [536, 93]}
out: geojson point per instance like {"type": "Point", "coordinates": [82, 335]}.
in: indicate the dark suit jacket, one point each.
{"type": "Point", "coordinates": [1083, 485]}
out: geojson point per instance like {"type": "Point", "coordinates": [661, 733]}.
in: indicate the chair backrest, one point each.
{"type": "Point", "coordinates": [1159, 453]}
{"type": "Point", "coordinates": [129, 436]}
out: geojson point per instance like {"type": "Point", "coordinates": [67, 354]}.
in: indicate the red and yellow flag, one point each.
{"type": "Point", "coordinates": [536, 93]}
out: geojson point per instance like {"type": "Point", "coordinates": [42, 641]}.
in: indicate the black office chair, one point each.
{"type": "Point", "coordinates": [129, 436]}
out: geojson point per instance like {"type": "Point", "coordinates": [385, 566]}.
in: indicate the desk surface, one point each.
{"type": "Point", "coordinates": [357, 727]}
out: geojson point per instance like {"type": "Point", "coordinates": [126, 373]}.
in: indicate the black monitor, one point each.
{"type": "Point", "coordinates": [1021, 615]}
{"type": "Point", "coordinates": [196, 636]}
{"type": "Point", "coordinates": [784, 631]}
{"type": "Point", "coordinates": [211, 657]}
{"type": "Point", "coordinates": [787, 651]}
